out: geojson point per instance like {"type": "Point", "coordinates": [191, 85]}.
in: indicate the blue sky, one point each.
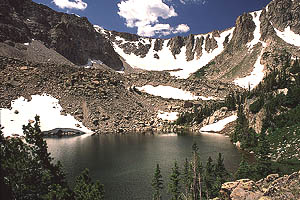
{"type": "Point", "coordinates": [159, 18]}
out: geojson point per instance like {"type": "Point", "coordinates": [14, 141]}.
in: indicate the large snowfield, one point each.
{"type": "Point", "coordinates": [47, 107]}
{"type": "Point", "coordinates": [167, 61]}
{"type": "Point", "coordinates": [169, 92]}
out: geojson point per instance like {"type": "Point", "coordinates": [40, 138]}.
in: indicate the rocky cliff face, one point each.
{"type": "Point", "coordinates": [231, 53]}
{"type": "Point", "coordinates": [284, 13]}
{"type": "Point", "coordinates": [140, 46]}
{"type": "Point", "coordinates": [73, 37]}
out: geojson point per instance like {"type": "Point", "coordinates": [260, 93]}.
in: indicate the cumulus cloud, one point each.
{"type": "Point", "coordinates": [146, 16]}
{"type": "Point", "coordinates": [162, 29]}
{"type": "Point", "coordinates": [76, 4]}
{"type": "Point", "coordinates": [149, 30]}
{"type": "Point", "coordinates": [182, 28]}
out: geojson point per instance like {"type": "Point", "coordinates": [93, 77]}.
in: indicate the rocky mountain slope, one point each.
{"type": "Point", "coordinates": [51, 44]}
{"type": "Point", "coordinates": [230, 53]}
{"type": "Point", "coordinates": [73, 37]}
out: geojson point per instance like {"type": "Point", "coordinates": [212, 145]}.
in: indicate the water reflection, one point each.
{"type": "Point", "coordinates": [125, 163]}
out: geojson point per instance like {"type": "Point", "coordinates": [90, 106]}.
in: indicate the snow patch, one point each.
{"type": "Point", "coordinates": [91, 62]}
{"type": "Point", "coordinates": [167, 61]}
{"type": "Point", "coordinates": [218, 126]}
{"type": "Point", "coordinates": [170, 116]}
{"type": "Point", "coordinates": [256, 33]}
{"type": "Point", "coordinates": [289, 36]}
{"type": "Point", "coordinates": [255, 77]}
{"type": "Point", "coordinates": [46, 106]}
{"type": "Point", "coordinates": [169, 92]}
{"type": "Point", "coordinates": [76, 15]}
{"type": "Point", "coordinates": [99, 29]}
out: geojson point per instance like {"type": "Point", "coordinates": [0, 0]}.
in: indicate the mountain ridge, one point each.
{"type": "Point", "coordinates": [211, 65]}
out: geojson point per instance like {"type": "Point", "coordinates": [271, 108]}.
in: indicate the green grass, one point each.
{"type": "Point", "coordinates": [287, 166]}
{"type": "Point", "coordinates": [201, 72]}
{"type": "Point", "coordinates": [285, 143]}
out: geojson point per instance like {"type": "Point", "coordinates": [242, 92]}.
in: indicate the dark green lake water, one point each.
{"type": "Point", "coordinates": [125, 163]}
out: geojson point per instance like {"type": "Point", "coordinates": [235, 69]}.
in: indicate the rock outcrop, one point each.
{"type": "Point", "coordinates": [284, 13]}
{"type": "Point", "coordinates": [270, 188]}
{"type": "Point", "coordinates": [73, 37]}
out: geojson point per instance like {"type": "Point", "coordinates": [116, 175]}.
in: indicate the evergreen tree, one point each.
{"type": "Point", "coordinates": [58, 192]}
{"type": "Point", "coordinates": [263, 165]}
{"type": "Point", "coordinates": [28, 172]}
{"type": "Point", "coordinates": [157, 183]}
{"type": "Point", "coordinates": [244, 170]}
{"type": "Point", "coordinates": [85, 189]}
{"type": "Point", "coordinates": [197, 170]}
{"type": "Point", "coordinates": [220, 169]}
{"type": "Point", "coordinates": [230, 101]}
{"type": "Point", "coordinates": [34, 137]}
{"type": "Point", "coordinates": [209, 177]}
{"type": "Point", "coordinates": [187, 178]}
{"type": "Point", "coordinates": [174, 185]}
{"type": "Point", "coordinates": [5, 191]}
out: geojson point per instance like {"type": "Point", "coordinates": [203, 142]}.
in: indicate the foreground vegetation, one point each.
{"type": "Point", "coordinates": [277, 98]}
{"type": "Point", "coordinates": [27, 171]}
{"type": "Point", "coordinates": [194, 180]}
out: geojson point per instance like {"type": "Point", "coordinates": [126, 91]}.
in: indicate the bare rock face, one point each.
{"type": "Point", "coordinates": [175, 44]}
{"type": "Point", "coordinates": [280, 15]}
{"type": "Point", "coordinates": [210, 43]}
{"type": "Point", "coordinates": [243, 32]}
{"type": "Point", "coordinates": [189, 42]}
{"type": "Point", "coordinates": [71, 36]}
{"type": "Point", "coordinates": [140, 50]}
{"type": "Point", "coordinates": [284, 13]}
{"type": "Point", "coordinates": [271, 187]}
{"type": "Point", "coordinates": [158, 45]}
{"type": "Point", "coordinates": [198, 47]}
{"type": "Point", "coordinates": [126, 36]}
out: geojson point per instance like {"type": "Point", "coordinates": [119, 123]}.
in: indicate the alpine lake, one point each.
{"type": "Point", "coordinates": [125, 164]}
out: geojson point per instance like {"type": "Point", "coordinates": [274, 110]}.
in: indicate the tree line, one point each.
{"type": "Point", "coordinates": [194, 180]}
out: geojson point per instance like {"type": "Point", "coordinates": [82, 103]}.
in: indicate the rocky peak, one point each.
{"type": "Point", "coordinates": [175, 44]}
{"type": "Point", "coordinates": [158, 45]}
{"type": "Point", "coordinates": [243, 32]}
{"type": "Point", "coordinates": [126, 36]}
{"type": "Point", "coordinates": [189, 42]}
{"type": "Point", "coordinates": [73, 37]}
{"type": "Point", "coordinates": [284, 13]}
{"type": "Point", "coordinates": [210, 43]}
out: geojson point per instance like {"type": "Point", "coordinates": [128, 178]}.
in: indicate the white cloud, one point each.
{"type": "Point", "coordinates": [182, 28]}
{"type": "Point", "coordinates": [162, 29]}
{"type": "Point", "coordinates": [149, 30]}
{"type": "Point", "coordinates": [76, 4]}
{"type": "Point", "coordinates": [146, 15]}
